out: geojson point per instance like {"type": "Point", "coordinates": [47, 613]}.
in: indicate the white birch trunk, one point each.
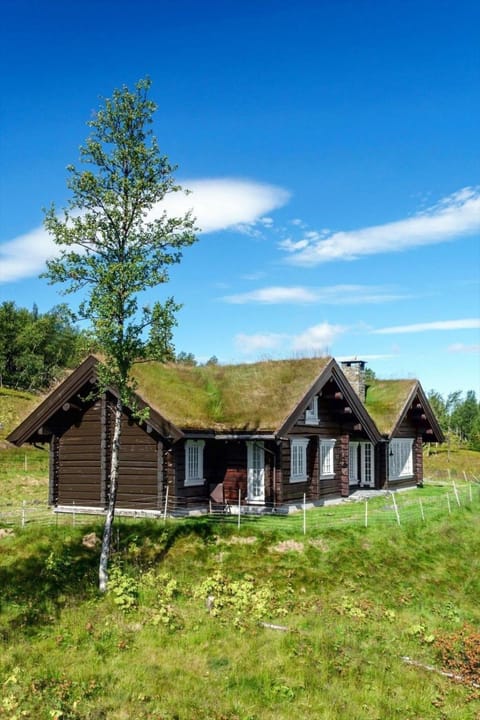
{"type": "Point", "coordinates": [112, 498]}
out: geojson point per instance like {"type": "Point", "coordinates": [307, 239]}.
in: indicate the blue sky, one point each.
{"type": "Point", "coordinates": [332, 148]}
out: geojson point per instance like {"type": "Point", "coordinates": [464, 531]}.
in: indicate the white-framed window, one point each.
{"type": "Point", "coordinates": [400, 459]}
{"type": "Point", "coordinates": [194, 462]}
{"type": "Point", "coordinates": [326, 458]}
{"type": "Point", "coordinates": [311, 413]}
{"type": "Point", "coordinates": [298, 459]}
{"type": "Point", "coordinates": [367, 464]}
{"type": "Point", "coordinates": [353, 475]}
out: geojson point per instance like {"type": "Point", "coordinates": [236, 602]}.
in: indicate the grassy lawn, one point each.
{"type": "Point", "coordinates": [354, 601]}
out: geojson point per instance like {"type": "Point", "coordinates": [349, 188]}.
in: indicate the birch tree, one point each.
{"type": "Point", "coordinates": [112, 248]}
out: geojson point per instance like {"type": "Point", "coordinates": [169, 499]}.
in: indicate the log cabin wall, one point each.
{"type": "Point", "coordinates": [78, 479]}
{"type": "Point", "coordinates": [138, 485]}
{"type": "Point", "coordinates": [80, 459]}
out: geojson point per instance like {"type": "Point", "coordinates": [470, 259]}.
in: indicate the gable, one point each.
{"type": "Point", "coordinates": [401, 408]}
{"type": "Point", "coordinates": [337, 403]}
{"type": "Point", "coordinates": [70, 397]}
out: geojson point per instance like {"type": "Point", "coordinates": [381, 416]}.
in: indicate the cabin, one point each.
{"type": "Point", "coordinates": [266, 434]}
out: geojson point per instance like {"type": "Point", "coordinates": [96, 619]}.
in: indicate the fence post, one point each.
{"type": "Point", "coordinates": [165, 508]}
{"type": "Point", "coordinates": [239, 507]}
{"type": "Point", "coordinates": [304, 513]}
{"type": "Point", "coordinates": [421, 510]}
{"type": "Point", "coordinates": [396, 508]}
{"type": "Point", "coordinates": [456, 493]}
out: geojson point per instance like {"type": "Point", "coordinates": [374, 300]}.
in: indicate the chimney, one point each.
{"type": "Point", "coordinates": [354, 371]}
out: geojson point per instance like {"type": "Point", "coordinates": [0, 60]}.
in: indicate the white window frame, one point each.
{"type": "Point", "coordinates": [327, 458]}
{"type": "Point", "coordinates": [298, 460]}
{"type": "Point", "coordinates": [353, 474]}
{"type": "Point", "coordinates": [400, 458]}
{"type": "Point", "coordinates": [367, 451]}
{"type": "Point", "coordinates": [311, 412]}
{"type": "Point", "coordinates": [194, 462]}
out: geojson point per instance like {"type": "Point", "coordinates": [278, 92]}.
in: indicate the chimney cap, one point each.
{"type": "Point", "coordinates": [354, 362]}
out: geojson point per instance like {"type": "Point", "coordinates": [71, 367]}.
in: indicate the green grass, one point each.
{"type": "Point", "coordinates": [385, 399]}
{"type": "Point", "coordinates": [354, 602]}
{"type": "Point", "coordinates": [14, 405]}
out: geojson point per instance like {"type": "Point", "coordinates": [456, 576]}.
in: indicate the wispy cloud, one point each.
{"type": "Point", "coordinates": [318, 338]}
{"type": "Point", "coordinates": [315, 339]}
{"type": "Point", "coordinates": [25, 255]}
{"type": "Point", "coordinates": [454, 216]}
{"type": "Point", "coordinates": [466, 324]}
{"type": "Point", "coordinates": [462, 348]}
{"type": "Point", "coordinates": [258, 342]}
{"type": "Point", "coordinates": [330, 295]}
{"type": "Point", "coordinates": [217, 204]}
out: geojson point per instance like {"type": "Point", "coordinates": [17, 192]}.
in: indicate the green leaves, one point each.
{"type": "Point", "coordinates": [110, 245]}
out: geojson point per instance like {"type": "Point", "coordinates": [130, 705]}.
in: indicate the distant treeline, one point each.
{"type": "Point", "coordinates": [36, 348]}
{"type": "Point", "coordinates": [458, 415]}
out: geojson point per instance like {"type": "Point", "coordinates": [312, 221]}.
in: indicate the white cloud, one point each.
{"type": "Point", "coordinates": [316, 339]}
{"type": "Point", "coordinates": [454, 216]}
{"type": "Point", "coordinates": [217, 204]}
{"type": "Point", "coordinates": [333, 295]}
{"type": "Point", "coordinates": [220, 203]}
{"type": "Point", "coordinates": [468, 324]}
{"type": "Point", "coordinates": [258, 342]}
{"type": "Point", "coordinates": [273, 295]}
{"type": "Point", "coordinates": [462, 348]}
{"type": "Point", "coordinates": [25, 256]}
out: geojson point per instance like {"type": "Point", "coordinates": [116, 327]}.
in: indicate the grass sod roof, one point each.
{"type": "Point", "coordinates": [385, 400]}
{"type": "Point", "coordinates": [249, 397]}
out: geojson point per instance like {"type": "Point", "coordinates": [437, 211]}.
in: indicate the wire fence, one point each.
{"type": "Point", "coordinates": [19, 462]}
{"type": "Point", "coordinates": [387, 508]}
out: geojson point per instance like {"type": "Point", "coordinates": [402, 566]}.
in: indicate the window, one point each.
{"type": "Point", "coordinates": [367, 459]}
{"type": "Point", "coordinates": [311, 413]}
{"type": "Point", "coordinates": [326, 458]}
{"type": "Point", "coordinates": [400, 459]}
{"type": "Point", "coordinates": [298, 460]}
{"type": "Point", "coordinates": [353, 463]}
{"type": "Point", "coordinates": [194, 462]}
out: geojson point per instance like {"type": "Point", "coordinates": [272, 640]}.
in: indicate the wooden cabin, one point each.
{"type": "Point", "coordinates": [267, 434]}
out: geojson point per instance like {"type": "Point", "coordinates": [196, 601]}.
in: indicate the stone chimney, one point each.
{"type": "Point", "coordinates": [354, 371]}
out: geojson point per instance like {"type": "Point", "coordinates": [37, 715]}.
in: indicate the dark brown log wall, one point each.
{"type": "Point", "coordinates": [81, 448]}
{"type": "Point", "coordinates": [78, 480]}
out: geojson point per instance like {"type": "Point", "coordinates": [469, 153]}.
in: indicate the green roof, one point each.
{"type": "Point", "coordinates": [385, 400]}
{"type": "Point", "coordinates": [247, 397]}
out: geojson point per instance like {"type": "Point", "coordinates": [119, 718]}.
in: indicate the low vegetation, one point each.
{"type": "Point", "coordinates": [202, 621]}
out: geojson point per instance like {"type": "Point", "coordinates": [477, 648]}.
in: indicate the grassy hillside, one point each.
{"type": "Point", "coordinates": [14, 406]}
{"type": "Point", "coordinates": [353, 602]}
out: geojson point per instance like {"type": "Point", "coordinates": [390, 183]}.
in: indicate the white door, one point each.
{"type": "Point", "coordinates": [256, 472]}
